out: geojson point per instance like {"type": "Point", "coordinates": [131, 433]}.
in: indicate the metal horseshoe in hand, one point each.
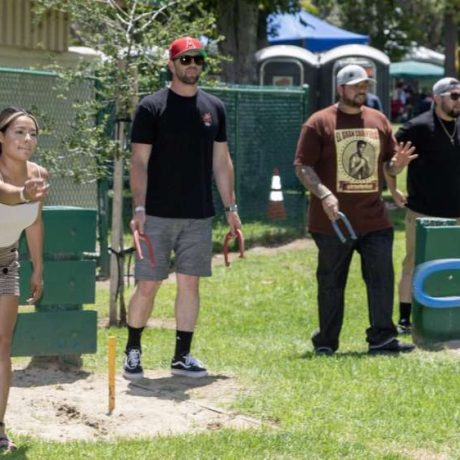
{"type": "Point", "coordinates": [141, 236]}
{"type": "Point", "coordinates": [240, 238]}
{"type": "Point", "coordinates": [348, 226]}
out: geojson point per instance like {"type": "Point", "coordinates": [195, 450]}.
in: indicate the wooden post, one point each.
{"type": "Point", "coordinates": [111, 363]}
{"type": "Point", "coordinates": [116, 268]}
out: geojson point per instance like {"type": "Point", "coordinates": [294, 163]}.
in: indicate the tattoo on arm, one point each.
{"type": "Point", "coordinates": [391, 169]}
{"type": "Point", "coordinates": [311, 181]}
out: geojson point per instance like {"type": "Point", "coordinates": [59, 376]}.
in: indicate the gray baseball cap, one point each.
{"type": "Point", "coordinates": [352, 74]}
{"type": "Point", "coordinates": [445, 86]}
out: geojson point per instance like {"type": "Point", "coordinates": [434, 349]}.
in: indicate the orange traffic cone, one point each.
{"type": "Point", "coordinates": [275, 208]}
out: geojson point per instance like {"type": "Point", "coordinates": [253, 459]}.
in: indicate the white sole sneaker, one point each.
{"type": "Point", "coordinates": [129, 376]}
{"type": "Point", "coordinates": [193, 374]}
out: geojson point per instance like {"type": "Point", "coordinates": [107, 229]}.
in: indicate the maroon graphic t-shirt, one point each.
{"type": "Point", "coordinates": [347, 152]}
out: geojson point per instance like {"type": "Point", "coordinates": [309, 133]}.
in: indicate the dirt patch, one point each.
{"type": "Point", "coordinates": [59, 405]}
{"type": "Point", "coordinates": [53, 403]}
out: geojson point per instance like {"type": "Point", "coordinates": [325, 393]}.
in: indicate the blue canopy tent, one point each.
{"type": "Point", "coordinates": [309, 32]}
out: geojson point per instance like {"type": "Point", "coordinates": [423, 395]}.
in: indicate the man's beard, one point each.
{"type": "Point", "coordinates": [188, 79]}
{"type": "Point", "coordinates": [454, 113]}
{"type": "Point", "coordinates": [355, 102]}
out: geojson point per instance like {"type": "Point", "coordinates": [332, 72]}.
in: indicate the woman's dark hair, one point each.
{"type": "Point", "coordinates": [8, 115]}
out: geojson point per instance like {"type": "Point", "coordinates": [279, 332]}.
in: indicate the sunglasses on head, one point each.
{"type": "Point", "coordinates": [453, 96]}
{"type": "Point", "coordinates": [187, 59]}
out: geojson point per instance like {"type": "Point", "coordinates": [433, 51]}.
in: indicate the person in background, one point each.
{"type": "Point", "coordinates": [398, 101]}
{"type": "Point", "coordinates": [424, 102]}
{"type": "Point", "coordinates": [373, 101]}
{"type": "Point", "coordinates": [433, 185]}
{"type": "Point", "coordinates": [23, 187]}
{"type": "Point", "coordinates": [178, 143]}
{"type": "Point", "coordinates": [327, 141]}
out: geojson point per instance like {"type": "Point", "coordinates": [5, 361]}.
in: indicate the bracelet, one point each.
{"type": "Point", "coordinates": [231, 208]}
{"type": "Point", "coordinates": [325, 196]}
{"type": "Point", "coordinates": [22, 197]}
{"type": "Point", "coordinates": [139, 209]}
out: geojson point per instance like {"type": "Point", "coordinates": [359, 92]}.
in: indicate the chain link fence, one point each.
{"type": "Point", "coordinates": [263, 125]}
{"type": "Point", "coordinates": [36, 91]}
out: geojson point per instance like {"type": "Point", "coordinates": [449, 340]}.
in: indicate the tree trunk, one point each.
{"type": "Point", "coordinates": [116, 259]}
{"type": "Point", "coordinates": [262, 41]}
{"type": "Point", "coordinates": [237, 21]}
{"type": "Point", "coordinates": [450, 40]}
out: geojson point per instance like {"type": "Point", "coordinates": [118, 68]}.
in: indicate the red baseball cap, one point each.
{"type": "Point", "coordinates": [184, 44]}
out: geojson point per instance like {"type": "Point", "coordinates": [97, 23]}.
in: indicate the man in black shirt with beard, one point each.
{"type": "Point", "coordinates": [178, 143]}
{"type": "Point", "coordinates": [433, 179]}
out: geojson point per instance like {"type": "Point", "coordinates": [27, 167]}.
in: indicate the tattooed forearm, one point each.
{"type": "Point", "coordinates": [311, 181]}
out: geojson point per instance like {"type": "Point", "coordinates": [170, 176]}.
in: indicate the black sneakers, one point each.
{"type": "Point", "coordinates": [132, 367]}
{"type": "Point", "coordinates": [324, 351]}
{"type": "Point", "coordinates": [189, 366]}
{"type": "Point", "coordinates": [404, 327]}
{"type": "Point", "coordinates": [392, 347]}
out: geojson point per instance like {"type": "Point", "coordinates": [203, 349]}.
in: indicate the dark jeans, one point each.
{"type": "Point", "coordinates": [334, 259]}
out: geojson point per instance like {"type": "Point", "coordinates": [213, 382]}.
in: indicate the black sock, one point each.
{"type": "Point", "coordinates": [404, 312]}
{"type": "Point", "coordinates": [134, 337]}
{"type": "Point", "coordinates": [183, 343]}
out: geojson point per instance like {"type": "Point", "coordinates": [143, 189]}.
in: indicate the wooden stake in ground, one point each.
{"type": "Point", "coordinates": [112, 344]}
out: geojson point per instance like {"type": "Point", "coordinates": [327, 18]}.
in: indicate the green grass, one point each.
{"type": "Point", "coordinates": [255, 324]}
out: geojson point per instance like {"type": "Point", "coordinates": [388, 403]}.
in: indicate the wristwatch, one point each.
{"type": "Point", "coordinates": [231, 208]}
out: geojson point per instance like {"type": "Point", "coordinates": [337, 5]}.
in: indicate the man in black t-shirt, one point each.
{"type": "Point", "coordinates": [433, 179]}
{"type": "Point", "coordinates": [178, 143]}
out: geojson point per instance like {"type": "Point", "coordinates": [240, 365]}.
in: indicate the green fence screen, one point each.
{"type": "Point", "coordinates": [263, 127]}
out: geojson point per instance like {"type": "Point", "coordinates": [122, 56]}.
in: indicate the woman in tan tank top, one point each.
{"type": "Point", "coordinates": [23, 187]}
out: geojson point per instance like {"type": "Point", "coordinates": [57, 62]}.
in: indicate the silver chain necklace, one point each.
{"type": "Point", "coordinates": [450, 136]}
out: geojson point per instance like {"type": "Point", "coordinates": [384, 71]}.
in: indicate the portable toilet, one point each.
{"type": "Point", "coordinates": [289, 65]}
{"type": "Point", "coordinates": [376, 63]}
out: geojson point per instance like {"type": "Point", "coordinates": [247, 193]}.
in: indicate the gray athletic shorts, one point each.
{"type": "Point", "coordinates": [9, 274]}
{"type": "Point", "coordinates": [191, 241]}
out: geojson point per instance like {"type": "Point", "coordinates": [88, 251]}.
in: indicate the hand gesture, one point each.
{"type": "Point", "coordinates": [404, 155]}
{"type": "Point", "coordinates": [36, 189]}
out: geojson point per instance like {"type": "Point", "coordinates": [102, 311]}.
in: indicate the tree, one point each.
{"type": "Point", "coordinates": [132, 37]}
{"type": "Point", "coordinates": [392, 25]}
{"type": "Point", "coordinates": [451, 22]}
{"type": "Point", "coordinates": [243, 23]}
{"type": "Point", "coordinates": [395, 25]}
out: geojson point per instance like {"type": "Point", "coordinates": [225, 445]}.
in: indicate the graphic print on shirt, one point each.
{"type": "Point", "coordinates": [357, 153]}
{"type": "Point", "coordinates": [207, 119]}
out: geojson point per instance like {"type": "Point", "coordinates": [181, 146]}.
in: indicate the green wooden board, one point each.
{"type": "Point", "coordinates": [68, 282]}
{"type": "Point", "coordinates": [55, 333]}
{"type": "Point", "coordinates": [67, 230]}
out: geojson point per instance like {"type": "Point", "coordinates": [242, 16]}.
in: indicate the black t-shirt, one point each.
{"type": "Point", "coordinates": [433, 179]}
{"type": "Point", "coordinates": [182, 131]}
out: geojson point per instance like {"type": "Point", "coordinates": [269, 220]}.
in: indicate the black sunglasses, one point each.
{"type": "Point", "coordinates": [453, 96]}
{"type": "Point", "coordinates": [187, 60]}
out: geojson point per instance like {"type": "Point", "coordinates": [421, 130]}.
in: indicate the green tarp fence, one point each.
{"type": "Point", "coordinates": [263, 127]}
